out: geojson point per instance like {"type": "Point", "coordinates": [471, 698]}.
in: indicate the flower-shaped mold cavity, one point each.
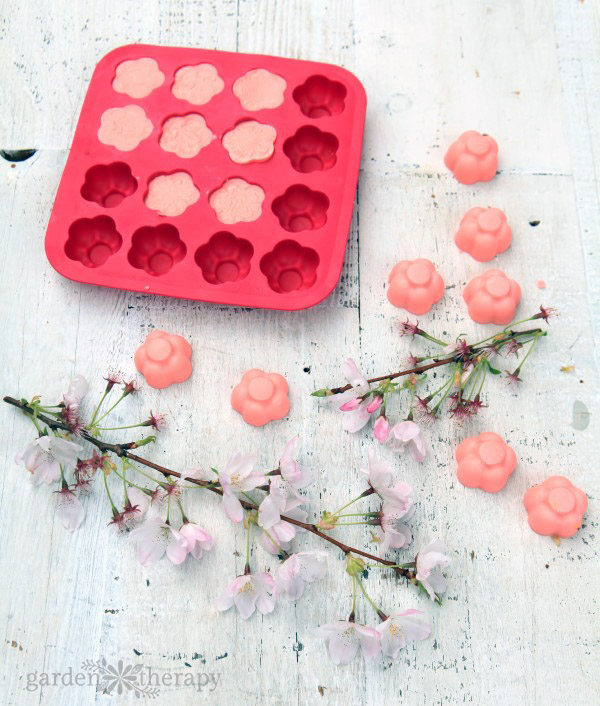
{"type": "Point", "coordinates": [290, 267]}
{"type": "Point", "coordinates": [250, 141]}
{"type": "Point", "coordinates": [93, 240]}
{"type": "Point", "coordinates": [224, 258]}
{"type": "Point", "coordinates": [261, 397]}
{"type": "Point", "coordinates": [415, 285]}
{"type": "Point", "coordinates": [138, 77]}
{"type": "Point", "coordinates": [555, 507]}
{"type": "Point", "coordinates": [492, 298]}
{"type": "Point", "coordinates": [485, 461]}
{"type": "Point", "coordinates": [483, 233]}
{"type": "Point", "coordinates": [237, 201]}
{"type": "Point", "coordinates": [156, 249]}
{"type": "Point", "coordinates": [171, 194]}
{"type": "Point", "coordinates": [124, 128]}
{"type": "Point", "coordinates": [185, 135]}
{"type": "Point", "coordinates": [197, 84]}
{"type": "Point", "coordinates": [311, 150]}
{"type": "Point", "coordinates": [259, 89]}
{"type": "Point", "coordinates": [473, 157]}
{"type": "Point", "coordinates": [163, 359]}
{"type": "Point", "coordinates": [108, 184]}
{"type": "Point", "coordinates": [301, 208]}
{"type": "Point", "coordinates": [318, 97]}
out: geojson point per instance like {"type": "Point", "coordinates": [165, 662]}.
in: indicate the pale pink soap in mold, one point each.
{"type": "Point", "coordinates": [163, 359]}
{"type": "Point", "coordinates": [483, 233]}
{"type": "Point", "coordinates": [473, 157]}
{"type": "Point", "coordinates": [555, 507]}
{"type": "Point", "coordinates": [485, 461]}
{"type": "Point", "coordinates": [492, 298]}
{"type": "Point", "coordinates": [259, 89]}
{"type": "Point", "coordinates": [171, 194]}
{"type": "Point", "coordinates": [186, 135]}
{"type": "Point", "coordinates": [415, 285]}
{"type": "Point", "coordinates": [197, 84]}
{"type": "Point", "coordinates": [138, 77]}
{"type": "Point", "coordinates": [261, 397]}
{"type": "Point", "coordinates": [124, 128]}
{"type": "Point", "coordinates": [237, 201]}
{"type": "Point", "coordinates": [250, 141]}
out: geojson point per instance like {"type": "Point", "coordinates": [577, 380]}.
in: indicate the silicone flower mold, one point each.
{"type": "Point", "coordinates": [290, 267]}
{"type": "Point", "coordinates": [250, 141]}
{"type": "Point", "coordinates": [259, 89]}
{"type": "Point", "coordinates": [224, 258]}
{"type": "Point", "coordinates": [261, 397]}
{"type": "Point", "coordinates": [483, 233]}
{"type": "Point", "coordinates": [124, 128]}
{"type": "Point", "coordinates": [485, 461]}
{"type": "Point", "coordinates": [138, 77]}
{"type": "Point", "coordinates": [473, 157]}
{"type": "Point", "coordinates": [555, 507]}
{"type": "Point", "coordinates": [415, 285]}
{"type": "Point", "coordinates": [163, 359]}
{"type": "Point", "coordinates": [492, 298]}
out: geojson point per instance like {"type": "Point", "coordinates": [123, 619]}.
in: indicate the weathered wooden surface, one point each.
{"type": "Point", "coordinates": [519, 624]}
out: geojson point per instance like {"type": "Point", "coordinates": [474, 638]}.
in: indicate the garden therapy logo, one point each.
{"type": "Point", "coordinates": [119, 679]}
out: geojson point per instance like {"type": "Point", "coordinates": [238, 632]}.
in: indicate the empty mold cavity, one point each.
{"type": "Point", "coordinates": [259, 89]}
{"type": "Point", "coordinates": [171, 194]}
{"type": "Point", "coordinates": [185, 135]}
{"type": "Point", "coordinates": [224, 258]}
{"type": "Point", "coordinates": [290, 267]}
{"type": "Point", "coordinates": [197, 84]}
{"type": "Point", "coordinates": [237, 201]}
{"type": "Point", "coordinates": [311, 150]}
{"type": "Point", "coordinates": [108, 184]}
{"type": "Point", "coordinates": [155, 249]}
{"type": "Point", "coordinates": [137, 77]}
{"type": "Point", "coordinates": [318, 97]}
{"type": "Point", "coordinates": [301, 208]}
{"type": "Point", "coordinates": [92, 241]}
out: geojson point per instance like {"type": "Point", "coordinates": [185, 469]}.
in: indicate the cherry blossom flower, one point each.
{"type": "Point", "coordinates": [43, 457]}
{"type": "Point", "coordinates": [379, 475]}
{"type": "Point", "coordinates": [291, 471]}
{"type": "Point", "coordinates": [429, 559]}
{"type": "Point", "coordinates": [461, 348]}
{"type": "Point", "coordinates": [300, 568]}
{"type": "Point", "coordinates": [356, 414]}
{"type": "Point", "coordinates": [406, 328]}
{"type": "Point", "coordinates": [281, 533]}
{"type": "Point", "coordinates": [77, 390]}
{"type": "Point", "coordinates": [345, 638]}
{"type": "Point", "coordinates": [140, 500]}
{"type": "Point", "coordinates": [512, 378]}
{"type": "Point", "coordinates": [238, 477]}
{"type": "Point", "coordinates": [408, 434]}
{"type": "Point", "coordinates": [381, 429]}
{"type": "Point", "coordinates": [156, 421]}
{"type": "Point", "coordinates": [400, 627]}
{"type": "Point", "coordinates": [197, 538]}
{"type": "Point", "coordinates": [113, 378]}
{"type": "Point", "coordinates": [155, 538]}
{"type": "Point", "coordinates": [396, 534]}
{"type": "Point", "coordinates": [247, 593]}
{"type": "Point", "coordinates": [69, 509]}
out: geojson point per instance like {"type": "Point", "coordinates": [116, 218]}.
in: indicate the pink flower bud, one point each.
{"type": "Point", "coordinates": [375, 404]}
{"type": "Point", "coordinates": [381, 429]}
{"type": "Point", "coordinates": [350, 406]}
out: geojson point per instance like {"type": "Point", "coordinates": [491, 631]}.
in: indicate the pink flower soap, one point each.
{"type": "Point", "coordinates": [473, 157]}
{"type": "Point", "coordinates": [261, 397]}
{"type": "Point", "coordinates": [415, 285]}
{"type": "Point", "coordinates": [555, 507]}
{"type": "Point", "coordinates": [492, 298]}
{"type": "Point", "coordinates": [483, 233]}
{"type": "Point", "coordinates": [485, 462]}
{"type": "Point", "coordinates": [163, 359]}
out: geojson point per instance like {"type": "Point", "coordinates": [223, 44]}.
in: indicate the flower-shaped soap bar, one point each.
{"type": "Point", "coordinates": [492, 298]}
{"type": "Point", "coordinates": [485, 462]}
{"type": "Point", "coordinates": [555, 507]}
{"type": "Point", "coordinates": [163, 359]}
{"type": "Point", "coordinates": [483, 233]}
{"type": "Point", "coordinates": [473, 157]}
{"type": "Point", "coordinates": [415, 285]}
{"type": "Point", "coordinates": [261, 397]}
{"type": "Point", "coordinates": [124, 128]}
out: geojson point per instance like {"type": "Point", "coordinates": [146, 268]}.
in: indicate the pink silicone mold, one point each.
{"type": "Point", "coordinates": [473, 157]}
{"type": "Point", "coordinates": [261, 397]}
{"type": "Point", "coordinates": [483, 233]}
{"type": "Point", "coordinates": [555, 507]}
{"type": "Point", "coordinates": [177, 145]}
{"type": "Point", "coordinates": [485, 461]}
{"type": "Point", "coordinates": [492, 298]}
{"type": "Point", "coordinates": [415, 285]}
{"type": "Point", "coordinates": [164, 359]}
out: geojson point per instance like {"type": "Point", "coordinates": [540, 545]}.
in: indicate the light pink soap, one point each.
{"type": "Point", "coordinates": [171, 194]}
{"type": "Point", "coordinates": [485, 461]}
{"type": "Point", "coordinates": [138, 77]}
{"type": "Point", "coordinates": [197, 84]}
{"type": "Point", "coordinates": [555, 507]}
{"type": "Point", "coordinates": [259, 89]}
{"type": "Point", "coordinates": [124, 128]}
{"type": "Point", "coordinates": [415, 285]}
{"type": "Point", "coordinates": [261, 397]}
{"type": "Point", "coordinates": [186, 135]}
{"type": "Point", "coordinates": [250, 141]}
{"type": "Point", "coordinates": [237, 201]}
{"type": "Point", "coordinates": [163, 359]}
{"type": "Point", "coordinates": [473, 157]}
{"type": "Point", "coordinates": [492, 298]}
{"type": "Point", "coordinates": [483, 233]}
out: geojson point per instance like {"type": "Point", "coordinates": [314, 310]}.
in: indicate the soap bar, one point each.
{"type": "Point", "coordinates": [261, 397]}
{"type": "Point", "coordinates": [483, 233]}
{"type": "Point", "coordinates": [473, 157]}
{"type": "Point", "coordinates": [163, 359]}
{"type": "Point", "coordinates": [485, 461]}
{"type": "Point", "coordinates": [492, 298]}
{"type": "Point", "coordinates": [415, 285]}
{"type": "Point", "coordinates": [555, 507]}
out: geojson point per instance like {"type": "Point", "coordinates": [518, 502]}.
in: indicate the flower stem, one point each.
{"type": "Point", "coordinates": [93, 419]}
{"type": "Point", "coordinates": [362, 495]}
{"type": "Point", "coordinates": [110, 409]}
{"type": "Point", "coordinates": [366, 595]}
{"type": "Point", "coordinates": [247, 565]}
{"type": "Point", "coordinates": [112, 505]}
{"type": "Point", "coordinates": [129, 426]}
